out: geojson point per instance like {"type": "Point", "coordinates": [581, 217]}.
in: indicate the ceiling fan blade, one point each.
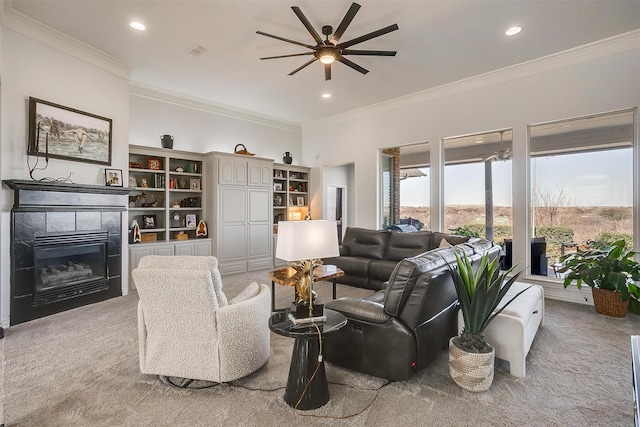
{"type": "Point", "coordinates": [369, 36]}
{"type": "Point", "coordinates": [306, 24]}
{"type": "Point", "coordinates": [351, 64]}
{"type": "Point", "coordinates": [288, 56]}
{"type": "Point", "coordinates": [348, 17]}
{"type": "Point", "coordinates": [369, 52]}
{"type": "Point", "coordinates": [284, 40]}
{"type": "Point", "coordinates": [327, 72]}
{"type": "Point", "coordinates": [302, 66]}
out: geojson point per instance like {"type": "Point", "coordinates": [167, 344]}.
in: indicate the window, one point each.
{"type": "Point", "coordinates": [582, 183]}
{"type": "Point", "coordinates": [477, 184]}
{"type": "Point", "coordinates": [405, 187]}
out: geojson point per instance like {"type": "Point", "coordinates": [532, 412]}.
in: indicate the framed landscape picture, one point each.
{"type": "Point", "coordinates": [65, 133]}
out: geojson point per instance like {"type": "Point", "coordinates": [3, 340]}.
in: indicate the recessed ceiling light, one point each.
{"type": "Point", "coordinates": [326, 95]}
{"type": "Point", "coordinates": [513, 31]}
{"type": "Point", "coordinates": [137, 25]}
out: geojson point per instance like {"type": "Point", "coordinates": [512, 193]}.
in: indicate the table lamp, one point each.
{"type": "Point", "coordinates": [303, 243]}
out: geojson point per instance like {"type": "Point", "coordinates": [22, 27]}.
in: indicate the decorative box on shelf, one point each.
{"type": "Point", "coordinates": [149, 237]}
{"type": "Point", "coordinates": [182, 236]}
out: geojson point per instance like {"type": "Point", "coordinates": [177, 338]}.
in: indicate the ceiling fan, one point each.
{"type": "Point", "coordinates": [330, 49]}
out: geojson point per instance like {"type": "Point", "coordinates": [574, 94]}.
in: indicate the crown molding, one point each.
{"type": "Point", "coordinates": [35, 30]}
{"type": "Point", "coordinates": [588, 52]}
{"type": "Point", "coordinates": [163, 95]}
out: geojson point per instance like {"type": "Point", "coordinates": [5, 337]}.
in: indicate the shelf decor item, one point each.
{"type": "Point", "coordinates": [167, 141]}
{"type": "Point", "coordinates": [154, 164]}
{"type": "Point", "coordinates": [201, 231]}
{"type": "Point", "coordinates": [286, 158]}
{"type": "Point", "coordinates": [242, 151]}
{"type": "Point", "coordinates": [190, 220]}
{"type": "Point", "coordinates": [148, 221]}
{"type": "Point", "coordinates": [113, 177]}
{"type": "Point", "coordinates": [135, 232]}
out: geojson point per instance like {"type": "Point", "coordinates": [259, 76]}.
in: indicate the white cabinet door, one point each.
{"type": "Point", "coordinates": [164, 250]}
{"type": "Point", "coordinates": [184, 249]}
{"type": "Point", "coordinates": [266, 172]}
{"type": "Point", "coordinates": [135, 255]}
{"type": "Point", "coordinates": [232, 238]}
{"type": "Point", "coordinates": [259, 230]}
{"type": "Point", "coordinates": [202, 247]}
{"type": "Point", "coordinates": [225, 170]}
{"type": "Point", "coordinates": [254, 173]}
{"type": "Point", "coordinates": [239, 172]}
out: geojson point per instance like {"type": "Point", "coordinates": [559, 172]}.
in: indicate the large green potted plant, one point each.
{"type": "Point", "coordinates": [610, 271]}
{"type": "Point", "coordinates": [480, 294]}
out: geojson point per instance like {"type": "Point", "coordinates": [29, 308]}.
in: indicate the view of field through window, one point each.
{"type": "Point", "coordinates": [581, 187]}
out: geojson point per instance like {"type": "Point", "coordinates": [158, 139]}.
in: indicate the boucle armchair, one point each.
{"type": "Point", "coordinates": [188, 329]}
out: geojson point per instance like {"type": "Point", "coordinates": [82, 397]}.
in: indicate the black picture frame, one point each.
{"type": "Point", "coordinates": [60, 132]}
{"type": "Point", "coordinates": [148, 222]}
{"type": "Point", "coordinates": [113, 177]}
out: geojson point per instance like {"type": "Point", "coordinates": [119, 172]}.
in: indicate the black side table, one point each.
{"type": "Point", "coordinates": [304, 358]}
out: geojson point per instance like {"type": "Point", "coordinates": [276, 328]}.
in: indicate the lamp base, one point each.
{"type": "Point", "coordinates": [299, 314]}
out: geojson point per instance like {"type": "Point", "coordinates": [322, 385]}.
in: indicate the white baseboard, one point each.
{"type": "Point", "coordinates": [555, 290]}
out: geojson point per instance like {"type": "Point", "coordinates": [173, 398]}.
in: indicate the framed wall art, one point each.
{"type": "Point", "coordinates": [113, 177]}
{"type": "Point", "coordinates": [65, 133]}
{"type": "Point", "coordinates": [300, 201]}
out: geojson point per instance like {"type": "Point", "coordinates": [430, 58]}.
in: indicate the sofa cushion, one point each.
{"type": "Point", "coordinates": [355, 266]}
{"type": "Point", "coordinates": [405, 245]}
{"type": "Point", "coordinates": [381, 270]}
{"type": "Point", "coordinates": [365, 243]}
{"type": "Point", "coordinates": [451, 238]}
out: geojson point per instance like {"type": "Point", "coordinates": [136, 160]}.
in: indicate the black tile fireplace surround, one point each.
{"type": "Point", "coordinates": [66, 246]}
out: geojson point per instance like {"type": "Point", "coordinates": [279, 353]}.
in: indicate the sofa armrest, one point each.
{"type": "Point", "coordinates": [363, 310]}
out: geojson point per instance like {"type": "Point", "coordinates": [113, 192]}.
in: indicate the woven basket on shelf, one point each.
{"type": "Point", "coordinates": [242, 151]}
{"type": "Point", "coordinates": [471, 371]}
{"type": "Point", "coordinates": [609, 303]}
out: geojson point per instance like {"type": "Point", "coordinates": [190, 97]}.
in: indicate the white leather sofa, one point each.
{"type": "Point", "coordinates": [512, 332]}
{"type": "Point", "coordinates": [188, 329]}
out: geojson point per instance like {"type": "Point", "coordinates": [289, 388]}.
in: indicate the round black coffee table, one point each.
{"type": "Point", "coordinates": [304, 359]}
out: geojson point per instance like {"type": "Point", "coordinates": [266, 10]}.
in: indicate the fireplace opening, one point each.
{"type": "Point", "coordinates": [69, 265]}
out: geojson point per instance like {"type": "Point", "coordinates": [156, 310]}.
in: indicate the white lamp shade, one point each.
{"type": "Point", "coordinates": [302, 240]}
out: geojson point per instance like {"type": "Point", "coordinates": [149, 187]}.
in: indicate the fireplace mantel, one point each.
{"type": "Point", "coordinates": [30, 194]}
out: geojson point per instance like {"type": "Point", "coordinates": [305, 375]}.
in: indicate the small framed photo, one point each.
{"type": "Point", "coordinates": [300, 201]}
{"type": "Point", "coordinates": [154, 164]}
{"type": "Point", "coordinates": [277, 186]}
{"type": "Point", "coordinates": [195, 184]}
{"type": "Point", "coordinates": [279, 174]}
{"type": "Point", "coordinates": [190, 220]}
{"type": "Point", "coordinates": [113, 177]}
{"type": "Point", "coordinates": [133, 182]}
{"type": "Point", "coordinates": [148, 221]}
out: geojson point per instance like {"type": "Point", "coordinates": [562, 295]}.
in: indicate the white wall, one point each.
{"type": "Point", "coordinates": [592, 79]}
{"type": "Point", "coordinates": [201, 131]}
{"type": "Point", "coordinates": [30, 68]}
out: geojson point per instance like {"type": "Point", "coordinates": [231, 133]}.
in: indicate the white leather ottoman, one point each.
{"type": "Point", "coordinates": [512, 331]}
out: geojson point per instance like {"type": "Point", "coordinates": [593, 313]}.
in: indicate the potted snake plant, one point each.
{"type": "Point", "coordinates": [610, 272]}
{"type": "Point", "coordinates": [480, 293]}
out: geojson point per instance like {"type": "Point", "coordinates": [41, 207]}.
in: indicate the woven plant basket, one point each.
{"type": "Point", "coordinates": [609, 303]}
{"type": "Point", "coordinates": [471, 371]}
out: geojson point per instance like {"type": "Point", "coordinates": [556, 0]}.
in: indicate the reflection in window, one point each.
{"type": "Point", "coordinates": [477, 183]}
{"type": "Point", "coordinates": [582, 183]}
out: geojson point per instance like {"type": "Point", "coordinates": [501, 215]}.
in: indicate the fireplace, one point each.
{"type": "Point", "coordinates": [66, 246]}
{"type": "Point", "coordinates": [69, 265]}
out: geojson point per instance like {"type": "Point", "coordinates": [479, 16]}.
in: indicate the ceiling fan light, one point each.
{"type": "Point", "coordinates": [327, 58]}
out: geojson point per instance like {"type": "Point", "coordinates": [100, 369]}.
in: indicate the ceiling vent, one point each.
{"type": "Point", "coordinates": [196, 49]}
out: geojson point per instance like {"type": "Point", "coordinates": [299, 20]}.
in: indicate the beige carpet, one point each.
{"type": "Point", "coordinates": [80, 368]}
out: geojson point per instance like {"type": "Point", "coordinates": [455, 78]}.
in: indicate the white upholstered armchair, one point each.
{"type": "Point", "coordinates": [188, 329]}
